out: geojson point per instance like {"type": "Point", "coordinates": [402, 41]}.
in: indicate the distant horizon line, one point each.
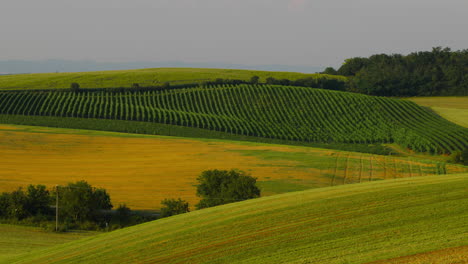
{"type": "Point", "coordinates": [8, 67]}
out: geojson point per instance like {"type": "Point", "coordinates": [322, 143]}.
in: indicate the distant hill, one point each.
{"type": "Point", "coordinates": [48, 66]}
{"type": "Point", "coordinates": [143, 77]}
{"type": "Point", "coordinates": [357, 223]}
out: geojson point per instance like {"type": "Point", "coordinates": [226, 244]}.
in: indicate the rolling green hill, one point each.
{"type": "Point", "coordinates": [281, 113]}
{"type": "Point", "coordinates": [144, 77]}
{"type": "Point", "coordinates": [16, 240]}
{"type": "Point", "coordinates": [356, 223]}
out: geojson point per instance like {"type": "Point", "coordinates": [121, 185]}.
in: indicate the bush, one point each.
{"type": "Point", "coordinates": [218, 187]}
{"type": "Point", "coordinates": [74, 87]}
{"type": "Point", "coordinates": [254, 80]}
{"type": "Point", "coordinates": [464, 157]}
{"type": "Point", "coordinates": [174, 207]}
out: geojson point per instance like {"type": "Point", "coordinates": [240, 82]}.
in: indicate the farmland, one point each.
{"type": "Point", "coordinates": [454, 109]}
{"type": "Point", "coordinates": [166, 167]}
{"type": "Point", "coordinates": [17, 240]}
{"type": "Point", "coordinates": [357, 223]}
{"type": "Point", "coordinates": [277, 113]}
{"type": "Point", "coordinates": [144, 77]}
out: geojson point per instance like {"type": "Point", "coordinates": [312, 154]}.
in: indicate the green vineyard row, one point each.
{"type": "Point", "coordinates": [273, 112]}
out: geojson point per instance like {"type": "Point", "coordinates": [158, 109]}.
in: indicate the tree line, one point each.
{"type": "Point", "coordinates": [439, 72]}
{"type": "Point", "coordinates": [82, 206]}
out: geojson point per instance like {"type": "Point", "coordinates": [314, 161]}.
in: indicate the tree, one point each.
{"type": "Point", "coordinates": [74, 87]}
{"type": "Point", "coordinates": [174, 207]}
{"type": "Point", "coordinates": [135, 86]}
{"type": "Point", "coordinates": [330, 71]}
{"type": "Point", "coordinates": [17, 205]}
{"type": "Point", "coordinates": [270, 80]}
{"type": "Point", "coordinates": [254, 79]}
{"type": "Point", "coordinates": [218, 187]}
{"type": "Point", "coordinates": [123, 215]}
{"type": "Point", "coordinates": [37, 200]}
{"type": "Point", "coordinates": [464, 157]}
{"type": "Point", "coordinates": [81, 202]}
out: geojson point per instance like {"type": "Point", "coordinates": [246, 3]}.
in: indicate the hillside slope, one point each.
{"type": "Point", "coordinates": [144, 77]}
{"type": "Point", "coordinates": [16, 240]}
{"type": "Point", "coordinates": [167, 167]}
{"type": "Point", "coordinates": [454, 109]}
{"type": "Point", "coordinates": [273, 112]}
{"type": "Point", "coordinates": [343, 224]}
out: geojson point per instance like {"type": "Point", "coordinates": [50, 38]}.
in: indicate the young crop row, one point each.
{"type": "Point", "coordinates": [274, 112]}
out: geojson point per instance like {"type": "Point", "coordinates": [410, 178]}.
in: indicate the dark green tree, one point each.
{"type": "Point", "coordinates": [4, 204]}
{"type": "Point", "coordinates": [464, 157]}
{"type": "Point", "coordinates": [254, 80]}
{"type": "Point", "coordinates": [17, 205]}
{"type": "Point", "coordinates": [135, 86]}
{"type": "Point", "coordinates": [123, 215]}
{"type": "Point", "coordinates": [330, 70]}
{"type": "Point", "coordinates": [174, 207]}
{"type": "Point", "coordinates": [74, 87]}
{"type": "Point", "coordinates": [38, 200]}
{"type": "Point", "coordinates": [81, 202]}
{"type": "Point", "coordinates": [270, 80]}
{"type": "Point", "coordinates": [218, 187]}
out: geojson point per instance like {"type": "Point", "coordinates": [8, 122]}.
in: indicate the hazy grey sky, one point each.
{"type": "Point", "coordinates": [288, 32]}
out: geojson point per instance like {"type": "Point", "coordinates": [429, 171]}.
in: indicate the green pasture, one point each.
{"type": "Point", "coordinates": [144, 77]}
{"type": "Point", "coordinates": [355, 223]}
{"type": "Point", "coordinates": [16, 240]}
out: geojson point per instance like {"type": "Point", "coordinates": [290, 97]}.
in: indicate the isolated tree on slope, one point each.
{"type": "Point", "coordinates": [218, 187]}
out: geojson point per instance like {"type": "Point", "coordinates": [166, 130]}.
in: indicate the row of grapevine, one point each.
{"type": "Point", "coordinates": [275, 112]}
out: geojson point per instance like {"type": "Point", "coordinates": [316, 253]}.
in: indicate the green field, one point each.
{"type": "Point", "coordinates": [17, 240]}
{"type": "Point", "coordinates": [356, 223]}
{"type": "Point", "coordinates": [144, 77]}
{"type": "Point", "coordinates": [281, 113]}
{"type": "Point", "coordinates": [454, 109]}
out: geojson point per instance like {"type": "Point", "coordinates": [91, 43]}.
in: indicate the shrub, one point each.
{"type": "Point", "coordinates": [174, 207]}
{"type": "Point", "coordinates": [218, 187]}
{"type": "Point", "coordinates": [74, 87]}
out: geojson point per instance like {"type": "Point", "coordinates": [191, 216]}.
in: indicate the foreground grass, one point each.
{"type": "Point", "coordinates": [17, 240]}
{"type": "Point", "coordinates": [454, 109]}
{"type": "Point", "coordinates": [142, 170]}
{"type": "Point", "coordinates": [144, 77]}
{"type": "Point", "coordinates": [357, 223]}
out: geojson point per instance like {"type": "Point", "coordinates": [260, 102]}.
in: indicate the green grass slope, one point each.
{"type": "Point", "coordinates": [271, 112]}
{"type": "Point", "coordinates": [144, 77]}
{"type": "Point", "coordinates": [356, 223]}
{"type": "Point", "coordinates": [16, 240]}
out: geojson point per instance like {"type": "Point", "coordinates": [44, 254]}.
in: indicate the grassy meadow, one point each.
{"type": "Point", "coordinates": [452, 108]}
{"type": "Point", "coordinates": [144, 77]}
{"type": "Point", "coordinates": [142, 170]}
{"type": "Point", "coordinates": [359, 223]}
{"type": "Point", "coordinates": [16, 240]}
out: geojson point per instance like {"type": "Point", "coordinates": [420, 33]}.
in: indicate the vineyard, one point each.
{"type": "Point", "coordinates": [274, 112]}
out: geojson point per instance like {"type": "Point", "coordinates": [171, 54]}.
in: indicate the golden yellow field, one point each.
{"type": "Point", "coordinates": [454, 109]}
{"type": "Point", "coordinates": [143, 170]}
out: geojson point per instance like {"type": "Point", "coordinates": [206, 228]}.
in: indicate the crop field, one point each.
{"type": "Point", "coordinates": [144, 77]}
{"type": "Point", "coordinates": [272, 112]}
{"type": "Point", "coordinates": [357, 223]}
{"type": "Point", "coordinates": [142, 170]}
{"type": "Point", "coordinates": [17, 240]}
{"type": "Point", "coordinates": [454, 109]}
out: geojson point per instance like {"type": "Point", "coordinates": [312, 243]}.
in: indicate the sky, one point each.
{"type": "Point", "coordinates": [249, 32]}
